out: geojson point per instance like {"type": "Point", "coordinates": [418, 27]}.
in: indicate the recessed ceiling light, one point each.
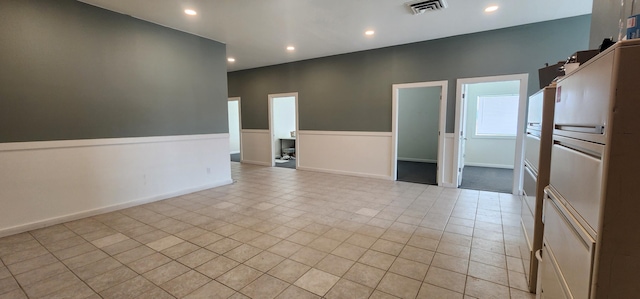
{"type": "Point", "coordinates": [291, 48]}
{"type": "Point", "coordinates": [491, 8]}
{"type": "Point", "coordinates": [369, 32]}
{"type": "Point", "coordinates": [231, 59]}
{"type": "Point", "coordinates": [190, 12]}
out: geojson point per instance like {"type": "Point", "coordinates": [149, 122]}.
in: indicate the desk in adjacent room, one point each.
{"type": "Point", "coordinates": [288, 146]}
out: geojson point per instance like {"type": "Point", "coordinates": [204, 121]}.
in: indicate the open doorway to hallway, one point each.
{"type": "Point", "coordinates": [419, 121]}
{"type": "Point", "coordinates": [490, 123]}
{"type": "Point", "coordinates": [283, 126]}
{"type": "Point", "coordinates": [235, 126]}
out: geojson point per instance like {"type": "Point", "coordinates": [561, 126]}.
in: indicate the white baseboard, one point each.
{"type": "Point", "coordinates": [488, 165]}
{"type": "Point", "coordinates": [349, 173]}
{"type": "Point", "coordinates": [417, 160]}
{"type": "Point", "coordinates": [75, 216]}
{"type": "Point", "coordinates": [234, 152]}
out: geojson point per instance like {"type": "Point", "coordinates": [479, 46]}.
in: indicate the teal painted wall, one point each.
{"type": "Point", "coordinates": [69, 70]}
{"type": "Point", "coordinates": [352, 92]}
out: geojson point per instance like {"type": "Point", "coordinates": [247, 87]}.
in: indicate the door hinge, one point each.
{"type": "Point", "coordinates": [459, 169]}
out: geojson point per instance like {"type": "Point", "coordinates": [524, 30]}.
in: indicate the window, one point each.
{"type": "Point", "coordinates": [497, 116]}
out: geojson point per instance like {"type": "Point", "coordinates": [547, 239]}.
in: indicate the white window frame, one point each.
{"type": "Point", "coordinates": [514, 98]}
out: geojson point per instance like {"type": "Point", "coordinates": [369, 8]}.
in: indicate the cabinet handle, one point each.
{"type": "Point", "coordinates": [539, 255]}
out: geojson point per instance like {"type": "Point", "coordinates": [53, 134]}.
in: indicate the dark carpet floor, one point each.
{"type": "Point", "coordinates": [487, 179]}
{"type": "Point", "coordinates": [289, 164]}
{"type": "Point", "coordinates": [417, 172]}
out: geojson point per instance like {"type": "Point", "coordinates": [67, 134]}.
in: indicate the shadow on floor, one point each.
{"type": "Point", "coordinates": [417, 172]}
{"type": "Point", "coordinates": [487, 179]}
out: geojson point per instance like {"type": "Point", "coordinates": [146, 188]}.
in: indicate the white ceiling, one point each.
{"type": "Point", "coordinates": [258, 31]}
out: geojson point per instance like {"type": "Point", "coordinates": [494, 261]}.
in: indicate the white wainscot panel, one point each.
{"type": "Point", "coordinates": [366, 154]}
{"type": "Point", "coordinates": [256, 146]}
{"type": "Point", "coordinates": [449, 175]}
{"type": "Point", "coordinates": [44, 183]}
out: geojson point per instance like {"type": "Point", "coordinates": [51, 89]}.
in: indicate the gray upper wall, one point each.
{"type": "Point", "coordinates": [69, 70]}
{"type": "Point", "coordinates": [605, 20]}
{"type": "Point", "coordinates": [352, 92]}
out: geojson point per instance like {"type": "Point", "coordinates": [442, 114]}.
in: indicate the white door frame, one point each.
{"type": "Point", "coordinates": [441, 127]}
{"type": "Point", "coordinates": [272, 133]}
{"type": "Point", "coordinates": [522, 111]}
{"type": "Point", "coordinates": [239, 120]}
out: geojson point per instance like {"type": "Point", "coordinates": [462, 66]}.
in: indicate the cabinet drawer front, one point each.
{"type": "Point", "coordinates": [532, 151]}
{"type": "Point", "coordinates": [529, 185]}
{"type": "Point", "coordinates": [571, 246]}
{"type": "Point", "coordinates": [527, 224]}
{"type": "Point", "coordinates": [526, 252]}
{"type": "Point", "coordinates": [577, 176]}
{"type": "Point", "coordinates": [551, 286]}
{"type": "Point", "coordinates": [582, 101]}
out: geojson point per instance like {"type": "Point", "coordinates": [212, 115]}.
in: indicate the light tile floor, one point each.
{"type": "Point", "coordinates": [280, 233]}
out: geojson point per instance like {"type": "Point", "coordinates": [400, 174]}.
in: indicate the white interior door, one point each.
{"type": "Point", "coordinates": [463, 134]}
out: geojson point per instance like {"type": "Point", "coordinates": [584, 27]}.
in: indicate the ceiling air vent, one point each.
{"type": "Point", "coordinates": [418, 7]}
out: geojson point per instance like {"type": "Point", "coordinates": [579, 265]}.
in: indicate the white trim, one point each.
{"type": "Point", "coordinates": [349, 173]}
{"type": "Point", "coordinates": [75, 216]}
{"type": "Point", "coordinates": [255, 131]}
{"type": "Point", "coordinates": [34, 145]}
{"type": "Point", "coordinates": [522, 109]}
{"type": "Point", "coordinates": [488, 165]}
{"type": "Point", "coordinates": [272, 134]}
{"type": "Point", "coordinates": [417, 160]}
{"type": "Point", "coordinates": [442, 125]}
{"type": "Point", "coordinates": [345, 133]}
{"type": "Point", "coordinates": [240, 122]}
{"type": "Point", "coordinates": [234, 152]}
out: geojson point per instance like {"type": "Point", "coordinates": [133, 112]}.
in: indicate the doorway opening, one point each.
{"type": "Point", "coordinates": [490, 118]}
{"type": "Point", "coordinates": [418, 123]}
{"type": "Point", "coordinates": [283, 127]}
{"type": "Point", "coordinates": [235, 126]}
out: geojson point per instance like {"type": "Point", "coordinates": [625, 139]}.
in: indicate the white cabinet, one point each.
{"type": "Point", "coordinates": [591, 216]}
{"type": "Point", "coordinates": [537, 152]}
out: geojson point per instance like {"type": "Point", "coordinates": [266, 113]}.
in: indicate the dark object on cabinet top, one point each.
{"type": "Point", "coordinates": [548, 73]}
